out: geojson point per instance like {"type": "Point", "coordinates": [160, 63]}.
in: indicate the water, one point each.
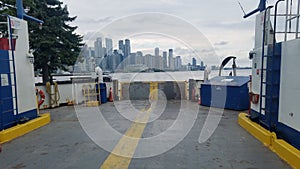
{"type": "Point", "coordinates": [173, 76]}
{"type": "Point", "coordinates": [160, 76]}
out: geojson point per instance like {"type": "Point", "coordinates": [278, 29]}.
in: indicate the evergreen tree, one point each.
{"type": "Point", "coordinates": [56, 45]}
{"type": "Point", "coordinates": [6, 7]}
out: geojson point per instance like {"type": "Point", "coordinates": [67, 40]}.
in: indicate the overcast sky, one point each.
{"type": "Point", "coordinates": [211, 29]}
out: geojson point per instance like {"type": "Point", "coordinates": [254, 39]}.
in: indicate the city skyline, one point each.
{"type": "Point", "coordinates": [151, 51]}
{"type": "Point", "coordinates": [111, 57]}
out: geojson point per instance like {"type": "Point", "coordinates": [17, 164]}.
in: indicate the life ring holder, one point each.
{"type": "Point", "coordinates": [254, 98]}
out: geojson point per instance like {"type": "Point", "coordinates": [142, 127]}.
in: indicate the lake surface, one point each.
{"type": "Point", "coordinates": [159, 76]}
{"type": "Point", "coordinates": [173, 76]}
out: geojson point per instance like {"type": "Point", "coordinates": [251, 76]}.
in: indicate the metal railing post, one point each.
{"type": "Point", "coordinates": [297, 22]}
{"type": "Point", "coordinates": [286, 20]}
{"type": "Point", "coordinates": [275, 24]}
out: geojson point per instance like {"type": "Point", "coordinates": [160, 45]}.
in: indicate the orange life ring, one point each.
{"type": "Point", "coordinates": [42, 97]}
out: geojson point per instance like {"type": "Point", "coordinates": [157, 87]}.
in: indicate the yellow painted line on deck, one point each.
{"type": "Point", "coordinates": [123, 152]}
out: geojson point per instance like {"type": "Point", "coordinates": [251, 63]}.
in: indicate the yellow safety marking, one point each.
{"type": "Point", "coordinates": [90, 94]}
{"type": "Point", "coordinates": [21, 129]}
{"type": "Point", "coordinates": [123, 152]}
{"type": "Point", "coordinates": [153, 90]}
{"type": "Point", "coordinates": [121, 91]}
{"type": "Point", "coordinates": [287, 152]}
{"type": "Point", "coordinates": [283, 149]}
{"type": "Point", "coordinates": [255, 129]}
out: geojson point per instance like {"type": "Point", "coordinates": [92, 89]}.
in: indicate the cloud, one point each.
{"type": "Point", "coordinates": [208, 50]}
{"type": "Point", "coordinates": [227, 23]}
{"type": "Point", "coordinates": [218, 24]}
{"type": "Point", "coordinates": [221, 43]}
{"type": "Point", "coordinates": [170, 2]}
{"type": "Point", "coordinates": [183, 51]}
{"type": "Point", "coordinates": [92, 36]}
{"type": "Point", "coordinates": [88, 20]}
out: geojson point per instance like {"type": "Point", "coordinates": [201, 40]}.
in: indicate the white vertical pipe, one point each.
{"type": "Point", "coordinates": [286, 20]}
{"type": "Point", "coordinates": [297, 24]}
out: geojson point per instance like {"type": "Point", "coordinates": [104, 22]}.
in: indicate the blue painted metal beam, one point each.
{"type": "Point", "coordinates": [20, 9]}
{"type": "Point", "coordinates": [22, 15]}
{"type": "Point", "coordinates": [261, 7]}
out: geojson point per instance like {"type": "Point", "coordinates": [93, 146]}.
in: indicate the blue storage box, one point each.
{"type": "Point", "coordinates": [229, 92]}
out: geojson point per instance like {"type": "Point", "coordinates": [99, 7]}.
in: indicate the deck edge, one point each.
{"type": "Point", "coordinates": [256, 130]}
{"type": "Point", "coordinates": [22, 129]}
{"type": "Point", "coordinates": [283, 149]}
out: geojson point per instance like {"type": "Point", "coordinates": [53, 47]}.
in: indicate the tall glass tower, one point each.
{"type": "Point", "coordinates": [127, 48]}
{"type": "Point", "coordinates": [121, 46]}
{"type": "Point", "coordinates": [165, 59]}
{"type": "Point", "coordinates": [98, 50]}
{"type": "Point", "coordinates": [171, 60]}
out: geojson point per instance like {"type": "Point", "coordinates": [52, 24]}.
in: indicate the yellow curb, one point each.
{"type": "Point", "coordinates": [256, 130]}
{"type": "Point", "coordinates": [283, 149]}
{"type": "Point", "coordinates": [22, 129]}
{"type": "Point", "coordinates": [287, 152]}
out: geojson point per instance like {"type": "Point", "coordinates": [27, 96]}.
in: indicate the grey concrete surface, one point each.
{"type": "Point", "coordinates": [64, 144]}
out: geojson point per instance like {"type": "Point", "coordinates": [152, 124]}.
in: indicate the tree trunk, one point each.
{"type": "Point", "coordinates": [46, 74]}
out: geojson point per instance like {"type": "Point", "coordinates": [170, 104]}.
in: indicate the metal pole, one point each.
{"type": "Point", "coordinates": [286, 20]}
{"type": "Point", "coordinates": [21, 13]}
{"type": "Point", "coordinates": [290, 15]}
{"type": "Point", "coordinates": [275, 24]}
{"type": "Point", "coordinates": [273, 55]}
{"type": "Point", "coordinates": [297, 24]}
{"type": "Point", "coordinates": [20, 9]}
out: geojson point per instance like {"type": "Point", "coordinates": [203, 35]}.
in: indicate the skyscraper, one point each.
{"type": "Point", "coordinates": [98, 50]}
{"type": "Point", "coordinates": [171, 59]}
{"type": "Point", "coordinates": [194, 62]}
{"type": "Point", "coordinates": [145, 60]}
{"type": "Point", "coordinates": [202, 67]}
{"type": "Point", "coordinates": [109, 53]}
{"type": "Point", "coordinates": [178, 63]}
{"type": "Point", "coordinates": [118, 57]}
{"type": "Point", "coordinates": [165, 60]}
{"type": "Point", "coordinates": [156, 51]}
{"type": "Point", "coordinates": [103, 62]}
{"type": "Point", "coordinates": [109, 46]}
{"type": "Point", "coordinates": [121, 46]}
{"type": "Point", "coordinates": [149, 61]}
{"type": "Point", "coordinates": [127, 48]}
{"type": "Point", "coordinates": [157, 60]}
{"type": "Point", "coordinates": [132, 58]}
{"type": "Point", "coordinates": [139, 57]}
{"type": "Point", "coordinates": [91, 52]}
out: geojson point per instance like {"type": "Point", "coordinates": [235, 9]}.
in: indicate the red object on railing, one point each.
{"type": "Point", "coordinates": [4, 44]}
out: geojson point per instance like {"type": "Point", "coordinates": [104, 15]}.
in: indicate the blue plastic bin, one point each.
{"type": "Point", "coordinates": [229, 92]}
{"type": "Point", "coordinates": [103, 93]}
